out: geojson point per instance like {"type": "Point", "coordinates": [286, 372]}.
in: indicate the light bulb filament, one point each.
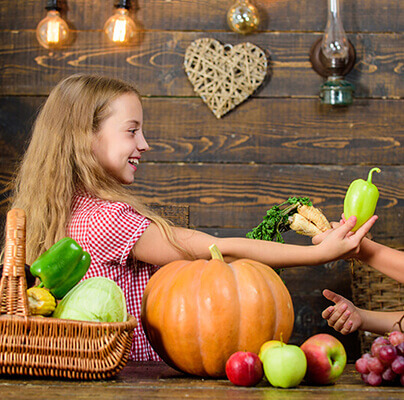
{"type": "Point", "coordinates": [119, 31]}
{"type": "Point", "coordinates": [52, 33]}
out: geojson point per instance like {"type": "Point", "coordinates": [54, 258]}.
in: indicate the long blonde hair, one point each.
{"type": "Point", "coordinates": [59, 161]}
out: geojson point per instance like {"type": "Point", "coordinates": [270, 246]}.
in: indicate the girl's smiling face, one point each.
{"type": "Point", "coordinates": [119, 143]}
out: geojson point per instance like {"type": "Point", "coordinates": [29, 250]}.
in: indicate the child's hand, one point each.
{"type": "Point", "coordinates": [319, 238]}
{"type": "Point", "coordinates": [340, 241]}
{"type": "Point", "coordinates": [343, 316]}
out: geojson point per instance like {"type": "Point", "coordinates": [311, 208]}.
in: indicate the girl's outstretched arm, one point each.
{"type": "Point", "coordinates": [153, 248]}
{"type": "Point", "coordinates": [345, 317]}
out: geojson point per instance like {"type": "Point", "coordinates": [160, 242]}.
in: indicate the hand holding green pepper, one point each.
{"type": "Point", "coordinates": [361, 199]}
{"type": "Point", "coordinates": [61, 267]}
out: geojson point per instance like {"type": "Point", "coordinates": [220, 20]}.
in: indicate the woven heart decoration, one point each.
{"type": "Point", "coordinates": [224, 75]}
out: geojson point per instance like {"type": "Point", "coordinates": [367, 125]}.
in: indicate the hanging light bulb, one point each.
{"type": "Point", "coordinates": [243, 17]}
{"type": "Point", "coordinates": [52, 32]}
{"type": "Point", "coordinates": [333, 56]}
{"type": "Point", "coordinates": [120, 28]}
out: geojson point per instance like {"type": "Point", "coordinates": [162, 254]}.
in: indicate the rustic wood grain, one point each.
{"type": "Point", "coordinates": [234, 196]}
{"type": "Point", "coordinates": [156, 63]}
{"type": "Point", "coordinates": [210, 15]}
{"type": "Point", "coordinates": [292, 131]}
{"type": "Point", "coordinates": [245, 191]}
{"type": "Point", "coordinates": [177, 214]}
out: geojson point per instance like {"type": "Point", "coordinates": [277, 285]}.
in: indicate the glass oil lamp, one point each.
{"type": "Point", "coordinates": [243, 17]}
{"type": "Point", "coordinates": [52, 32]}
{"type": "Point", "coordinates": [120, 27]}
{"type": "Point", "coordinates": [333, 56]}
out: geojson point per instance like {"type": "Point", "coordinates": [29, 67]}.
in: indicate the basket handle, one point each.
{"type": "Point", "coordinates": [13, 284]}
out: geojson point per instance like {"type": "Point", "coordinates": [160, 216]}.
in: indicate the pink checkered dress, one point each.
{"type": "Point", "coordinates": [108, 231]}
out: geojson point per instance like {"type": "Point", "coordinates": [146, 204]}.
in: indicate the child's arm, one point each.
{"type": "Point", "coordinates": [345, 317]}
{"type": "Point", "coordinates": [385, 259]}
{"type": "Point", "coordinates": [153, 248]}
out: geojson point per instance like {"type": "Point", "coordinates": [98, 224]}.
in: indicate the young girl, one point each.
{"type": "Point", "coordinates": [344, 316]}
{"type": "Point", "coordinates": [86, 145]}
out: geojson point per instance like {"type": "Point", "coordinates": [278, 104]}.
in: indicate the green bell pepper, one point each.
{"type": "Point", "coordinates": [61, 267]}
{"type": "Point", "coordinates": [361, 199]}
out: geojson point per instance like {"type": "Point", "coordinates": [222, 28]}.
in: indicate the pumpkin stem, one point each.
{"type": "Point", "coordinates": [215, 253]}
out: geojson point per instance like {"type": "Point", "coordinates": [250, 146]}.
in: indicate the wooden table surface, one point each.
{"type": "Point", "coordinates": [154, 380]}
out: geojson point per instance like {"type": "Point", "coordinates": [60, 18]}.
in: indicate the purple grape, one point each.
{"type": "Point", "coordinates": [387, 354]}
{"type": "Point", "coordinates": [398, 365]}
{"type": "Point", "coordinates": [381, 340]}
{"type": "Point", "coordinates": [402, 380]}
{"type": "Point", "coordinates": [375, 365]}
{"type": "Point", "coordinates": [377, 344]}
{"type": "Point", "coordinates": [396, 337]}
{"type": "Point", "coordinates": [361, 365]}
{"type": "Point", "coordinates": [389, 375]}
{"type": "Point", "coordinates": [374, 379]}
{"type": "Point", "coordinates": [400, 349]}
{"type": "Point", "coordinates": [365, 377]}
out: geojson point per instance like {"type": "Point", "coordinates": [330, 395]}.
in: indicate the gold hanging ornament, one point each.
{"type": "Point", "coordinates": [243, 17]}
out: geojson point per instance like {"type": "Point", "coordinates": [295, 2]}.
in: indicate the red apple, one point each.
{"type": "Point", "coordinates": [244, 368]}
{"type": "Point", "coordinates": [326, 359]}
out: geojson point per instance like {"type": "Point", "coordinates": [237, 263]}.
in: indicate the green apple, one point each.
{"type": "Point", "coordinates": [270, 344]}
{"type": "Point", "coordinates": [285, 366]}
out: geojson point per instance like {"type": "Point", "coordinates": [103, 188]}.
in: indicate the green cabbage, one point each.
{"type": "Point", "coordinates": [95, 299]}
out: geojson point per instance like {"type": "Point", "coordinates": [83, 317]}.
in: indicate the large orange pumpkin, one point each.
{"type": "Point", "coordinates": [198, 313]}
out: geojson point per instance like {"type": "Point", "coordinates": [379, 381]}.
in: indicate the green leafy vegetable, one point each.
{"type": "Point", "coordinates": [276, 221]}
{"type": "Point", "coordinates": [95, 299]}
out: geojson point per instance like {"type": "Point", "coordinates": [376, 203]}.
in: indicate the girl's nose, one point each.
{"type": "Point", "coordinates": [142, 143]}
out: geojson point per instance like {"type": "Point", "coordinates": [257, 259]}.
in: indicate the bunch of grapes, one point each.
{"type": "Point", "coordinates": [385, 362]}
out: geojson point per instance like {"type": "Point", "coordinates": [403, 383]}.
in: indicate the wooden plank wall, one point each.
{"type": "Point", "coordinates": [279, 143]}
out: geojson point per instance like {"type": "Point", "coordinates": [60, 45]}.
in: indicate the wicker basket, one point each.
{"type": "Point", "coordinates": [40, 346]}
{"type": "Point", "coordinates": [374, 291]}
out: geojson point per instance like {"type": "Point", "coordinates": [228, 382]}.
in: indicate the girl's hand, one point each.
{"type": "Point", "coordinates": [344, 316]}
{"type": "Point", "coordinates": [340, 241]}
{"type": "Point", "coordinates": [319, 238]}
